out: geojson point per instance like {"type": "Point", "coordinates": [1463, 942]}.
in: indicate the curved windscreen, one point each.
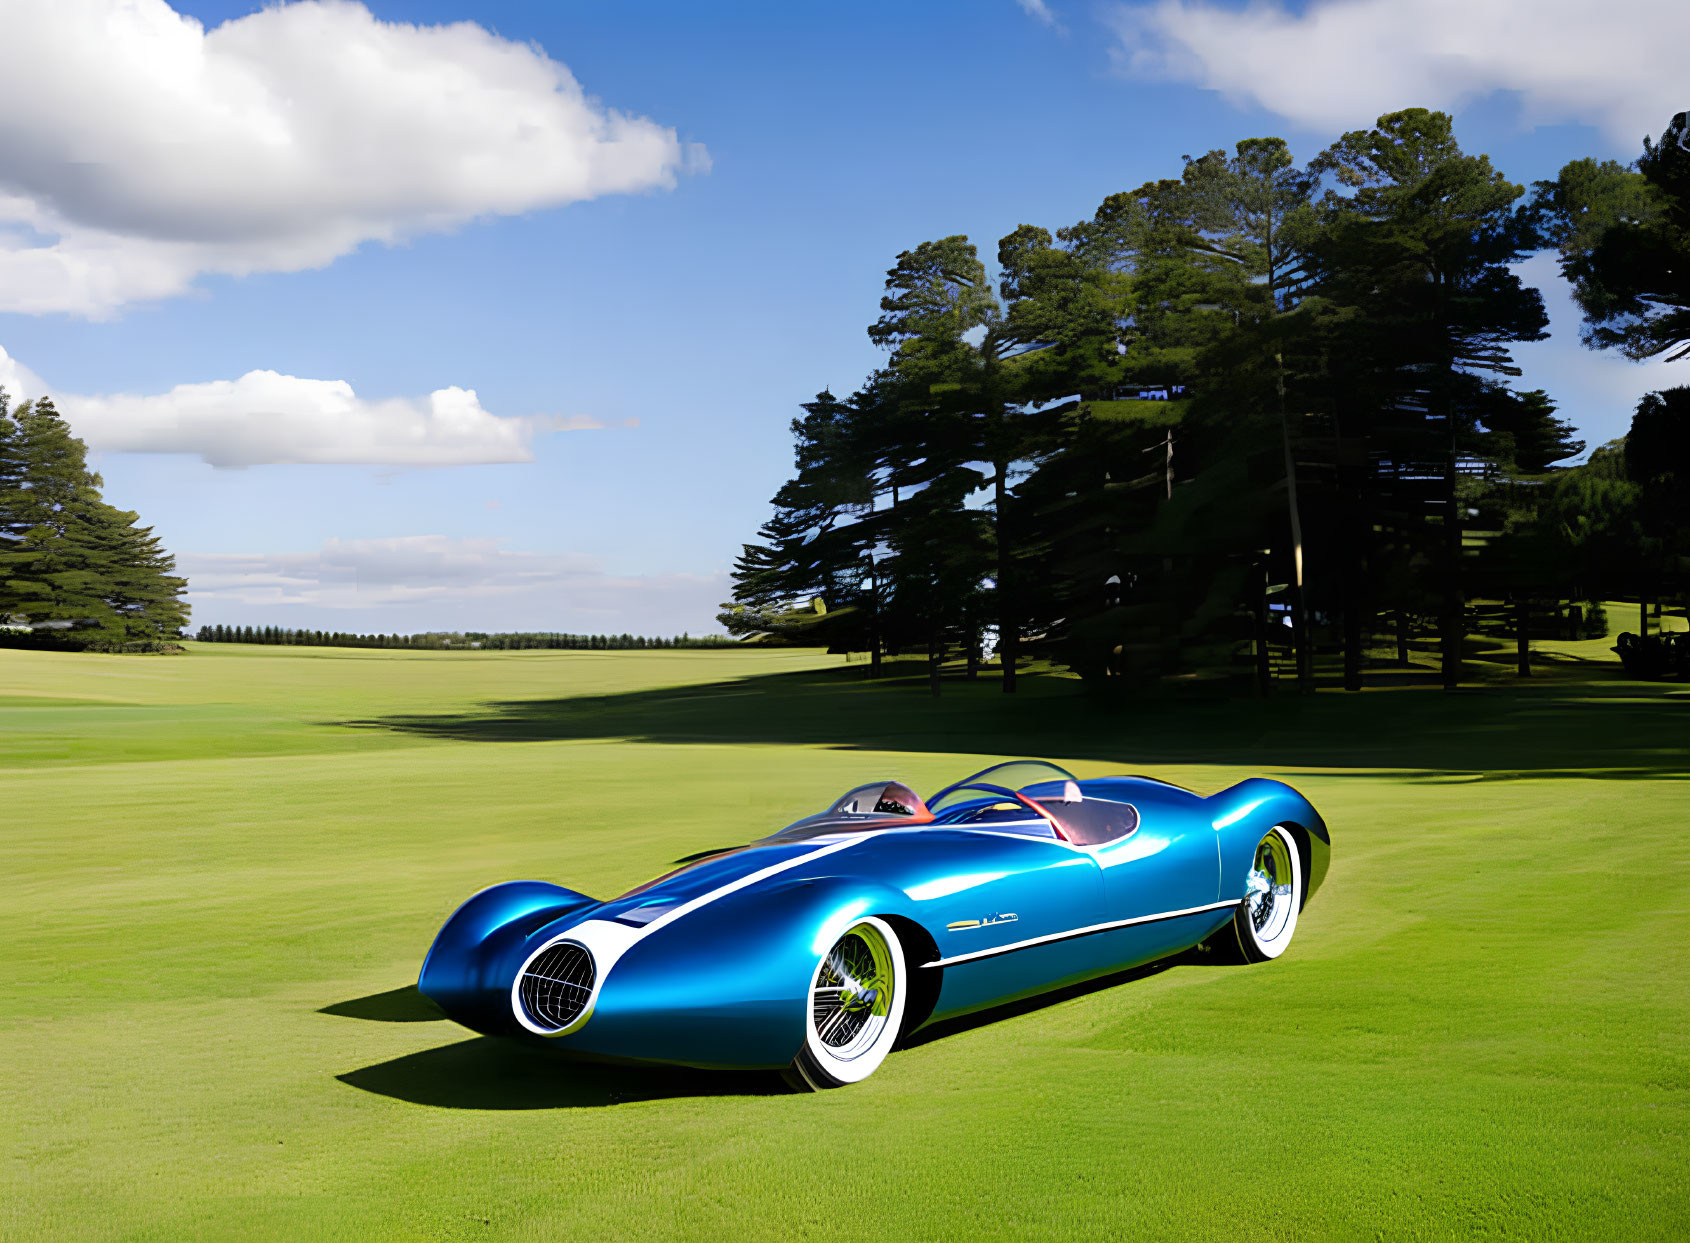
{"type": "Point", "coordinates": [1036, 798]}
{"type": "Point", "coordinates": [994, 808]}
{"type": "Point", "coordinates": [880, 798]}
{"type": "Point", "coordinates": [878, 805]}
{"type": "Point", "coordinates": [1014, 775]}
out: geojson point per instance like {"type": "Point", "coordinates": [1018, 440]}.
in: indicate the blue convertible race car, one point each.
{"type": "Point", "coordinates": [815, 949]}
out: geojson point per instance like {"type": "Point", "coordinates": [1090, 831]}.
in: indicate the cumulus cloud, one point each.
{"type": "Point", "coordinates": [1337, 64]}
{"type": "Point", "coordinates": [452, 582]}
{"type": "Point", "coordinates": [267, 418]}
{"type": "Point", "coordinates": [139, 150]}
{"type": "Point", "coordinates": [18, 380]}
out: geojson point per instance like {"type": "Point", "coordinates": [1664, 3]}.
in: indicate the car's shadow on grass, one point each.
{"type": "Point", "coordinates": [489, 1073]}
{"type": "Point", "coordinates": [397, 1005]}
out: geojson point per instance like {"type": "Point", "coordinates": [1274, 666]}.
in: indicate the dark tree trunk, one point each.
{"type": "Point", "coordinates": [1352, 640]}
{"type": "Point", "coordinates": [1355, 595]}
{"type": "Point", "coordinates": [1453, 622]}
{"type": "Point", "coordinates": [874, 634]}
{"type": "Point", "coordinates": [1264, 663]}
{"type": "Point", "coordinates": [933, 661]}
{"type": "Point", "coordinates": [1522, 638]}
{"type": "Point", "coordinates": [1007, 637]}
{"type": "Point", "coordinates": [1302, 640]}
{"type": "Point", "coordinates": [1300, 637]}
{"type": "Point", "coordinates": [1402, 638]}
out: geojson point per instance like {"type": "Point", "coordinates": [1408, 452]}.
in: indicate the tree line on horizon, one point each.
{"type": "Point", "coordinates": [474, 639]}
{"type": "Point", "coordinates": [75, 572]}
{"type": "Point", "coordinates": [1245, 414]}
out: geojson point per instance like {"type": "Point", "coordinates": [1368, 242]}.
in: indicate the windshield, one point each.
{"type": "Point", "coordinates": [881, 798]}
{"type": "Point", "coordinates": [1037, 799]}
{"type": "Point", "coordinates": [1025, 797]}
{"type": "Point", "coordinates": [1016, 775]}
{"type": "Point", "coordinates": [997, 809]}
{"type": "Point", "coordinates": [878, 805]}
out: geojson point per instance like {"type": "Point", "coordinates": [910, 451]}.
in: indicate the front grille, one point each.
{"type": "Point", "coordinates": [557, 984]}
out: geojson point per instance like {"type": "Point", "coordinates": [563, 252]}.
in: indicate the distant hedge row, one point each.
{"type": "Point", "coordinates": [437, 640]}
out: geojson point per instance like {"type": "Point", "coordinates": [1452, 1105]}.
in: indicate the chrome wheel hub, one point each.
{"type": "Point", "coordinates": [1267, 889]}
{"type": "Point", "coordinates": [853, 991]}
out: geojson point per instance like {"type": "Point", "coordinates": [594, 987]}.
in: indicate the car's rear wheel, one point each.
{"type": "Point", "coordinates": [1273, 896]}
{"type": "Point", "coordinates": [854, 1008]}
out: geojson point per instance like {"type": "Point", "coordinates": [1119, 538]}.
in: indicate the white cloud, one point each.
{"type": "Point", "coordinates": [266, 418]}
{"type": "Point", "coordinates": [1619, 65]}
{"type": "Point", "coordinates": [428, 581]}
{"type": "Point", "coordinates": [1038, 10]}
{"type": "Point", "coordinates": [18, 380]}
{"type": "Point", "coordinates": [139, 150]}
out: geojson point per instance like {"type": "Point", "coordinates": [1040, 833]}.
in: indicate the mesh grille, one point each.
{"type": "Point", "coordinates": [557, 985]}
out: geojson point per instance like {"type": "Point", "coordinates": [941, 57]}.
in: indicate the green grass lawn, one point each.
{"type": "Point", "coordinates": [216, 865]}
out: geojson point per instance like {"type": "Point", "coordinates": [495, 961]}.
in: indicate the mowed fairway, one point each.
{"type": "Point", "coordinates": [217, 866]}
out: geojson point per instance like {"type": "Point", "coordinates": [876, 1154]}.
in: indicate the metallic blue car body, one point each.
{"type": "Point", "coordinates": [720, 976]}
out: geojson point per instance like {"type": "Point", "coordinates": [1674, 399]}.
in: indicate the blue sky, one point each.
{"type": "Point", "coordinates": [684, 297]}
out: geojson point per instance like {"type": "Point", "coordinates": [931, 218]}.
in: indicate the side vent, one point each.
{"type": "Point", "coordinates": [557, 985]}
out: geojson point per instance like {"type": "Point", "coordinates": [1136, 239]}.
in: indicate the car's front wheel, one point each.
{"type": "Point", "coordinates": [1273, 896]}
{"type": "Point", "coordinates": [855, 1007]}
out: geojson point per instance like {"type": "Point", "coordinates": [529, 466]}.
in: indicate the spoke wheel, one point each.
{"type": "Point", "coordinates": [855, 1007]}
{"type": "Point", "coordinates": [1273, 896]}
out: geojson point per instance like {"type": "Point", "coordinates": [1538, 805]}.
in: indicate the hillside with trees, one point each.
{"type": "Point", "coordinates": [1244, 415]}
{"type": "Point", "coordinates": [75, 572]}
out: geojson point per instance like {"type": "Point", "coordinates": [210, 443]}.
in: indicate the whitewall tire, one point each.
{"type": "Point", "coordinates": [854, 1008]}
{"type": "Point", "coordinates": [1273, 897]}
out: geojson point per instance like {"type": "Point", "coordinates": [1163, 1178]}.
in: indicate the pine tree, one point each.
{"type": "Point", "coordinates": [53, 574]}
{"type": "Point", "coordinates": [1525, 434]}
{"type": "Point", "coordinates": [1624, 238]}
{"type": "Point", "coordinates": [139, 580]}
{"type": "Point", "coordinates": [1657, 460]}
{"type": "Point", "coordinates": [11, 475]}
{"type": "Point", "coordinates": [962, 399]}
{"type": "Point", "coordinates": [12, 526]}
{"type": "Point", "coordinates": [1421, 247]}
{"type": "Point", "coordinates": [76, 569]}
{"type": "Point", "coordinates": [815, 544]}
